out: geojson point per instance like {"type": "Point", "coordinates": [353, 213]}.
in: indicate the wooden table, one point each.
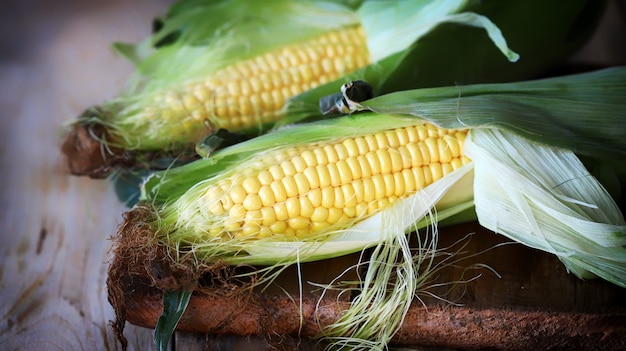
{"type": "Point", "coordinates": [55, 62]}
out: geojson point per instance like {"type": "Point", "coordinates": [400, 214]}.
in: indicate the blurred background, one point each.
{"type": "Point", "coordinates": [55, 61]}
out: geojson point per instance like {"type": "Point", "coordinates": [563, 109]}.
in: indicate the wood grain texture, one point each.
{"type": "Point", "coordinates": [56, 61]}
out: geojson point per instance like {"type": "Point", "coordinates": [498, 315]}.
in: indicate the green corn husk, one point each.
{"type": "Point", "coordinates": [455, 53]}
{"type": "Point", "coordinates": [405, 40]}
{"type": "Point", "coordinates": [525, 181]}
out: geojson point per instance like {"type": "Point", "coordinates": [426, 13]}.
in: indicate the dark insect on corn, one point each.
{"type": "Point", "coordinates": [348, 100]}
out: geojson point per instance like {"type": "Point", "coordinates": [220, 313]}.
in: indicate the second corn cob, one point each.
{"type": "Point", "coordinates": [243, 96]}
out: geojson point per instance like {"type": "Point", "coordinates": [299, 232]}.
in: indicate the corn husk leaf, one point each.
{"type": "Point", "coordinates": [452, 54]}
{"type": "Point", "coordinates": [545, 198]}
{"type": "Point", "coordinates": [174, 306]}
{"type": "Point", "coordinates": [448, 52]}
{"type": "Point", "coordinates": [583, 112]}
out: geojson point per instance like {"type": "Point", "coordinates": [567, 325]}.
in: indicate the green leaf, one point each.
{"type": "Point", "coordinates": [213, 34]}
{"type": "Point", "coordinates": [478, 21]}
{"type": "Point", "coordinates": [584, 113]}
{"type": "Point", "coordinates": [394, 27]}
{"type": "Point", "coordinates": [174, 305]}
{"type": "Point", "coordinates": [454, 54]}
{"type": "Point", "coordinates": [443, 52]}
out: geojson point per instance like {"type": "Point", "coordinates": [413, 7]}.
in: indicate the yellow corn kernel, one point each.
{"type": "Point", "coordinates": [302, 183]}
{"type": "Point", "coordinates": [362, 146]}
{"type": "Point", "coordinates": [349, 196]}
{"type": "Point", "coordinates": [299, 164]}
{"type": "Point", "coordinates": [456, 163]}
{"type": "Point", "coordinates": [351, 147]}
{"type": "Point", "coordinates": [319, 214]}
{"type": "Point", "coordinates": [282, 214]}
{"type": "Point", "coordinates": [293, 207]}
{"type": "Point", "coordinates": [399, 185]}
{"type": "Point", "coordinates": [315, 196]}
{"type": "Point", "coordinates": [306, 207]}
{"type": "Point", "coordinates": [435, 171]}
{"type": "Point", "coordinates": [312, 177]}
{"type": "Point", "coordinates": [251, 185]}
{"type": "Point", "coordinates": [278, 188]}
{"type": "Point", "coordinates": [369, 190]}
{"type": "Point", "coordinates": [340, 200]}
{"type": "Point", "coordinates": [335, 176]}
{"type": "Point", "coordinates": [290, 192]}
{"type": "Point", "coordinates": [320, 157]}
{"type": "Point", "coordinates": [373, 162]}
{"type": "Point", "coordinates": [334, 215]}
{"type": "Point", "coordinates": [309, 158]}
{"type": "Point", "coordinates": [357, 185]}
{"type": "Point", "coordinates": [291, 187]}
{"type": "Point", "coordinates": [390, 186]}
{"type": "Point", "coordinates": [445, 154]}
{"type": "Point", "coordinates": [328, 197]}
{"type": "Point", "coordinates": [379, 186]}
{"type": "Point", "coordinates": [252, 202]}
{"type": "Point", "coordinates": [364, 167]}
{"type": "Point", "coordinates": [268, 216]}
{"type": "Point", "coordinates": [323, 175]}
{"type": "Point", "coordinates": [288, 168]}
{"type": "Point", "coordinates": [345, 173]}
{"type": "Point", "coordinates": [279, 227]}
{"type": "Point", "coordinates": [298, 223]}
{"type": "Point", "coordinates": [446, 168]}
{"type": "Point", "coordinates": [237, 194]}
{"type": "Point", "coordinates": [409, 180]}
{"type": "Point", "coordinates": [265, 177]}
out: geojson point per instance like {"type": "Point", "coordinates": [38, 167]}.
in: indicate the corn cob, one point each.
{"type": "Point", "coordinates": [245, 95]}
{"type": "Point", "coordinates": [313, 189]}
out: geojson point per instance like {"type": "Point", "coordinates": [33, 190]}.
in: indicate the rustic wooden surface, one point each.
{"type": "Point", "coordinates": [506, 297]}
{"type": "Point", "coordinates": [54, 62]}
